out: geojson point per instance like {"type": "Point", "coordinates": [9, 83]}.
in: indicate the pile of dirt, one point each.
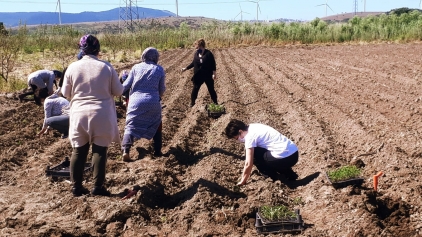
{"type": "Point", "coordinates": [339, 104]}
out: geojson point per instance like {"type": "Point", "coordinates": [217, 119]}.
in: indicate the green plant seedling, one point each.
{"type": "Point", "coordinates": [215, 108]}
{"type": "Point", "coordinates": [344, 173]}
{"type": "Point", "coordinates": [297, 201]}
{"type": "Point", "coordinates": [274, 213]}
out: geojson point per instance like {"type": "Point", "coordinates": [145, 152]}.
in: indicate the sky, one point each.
{"type": "Point", "coordinates": [218, 9]}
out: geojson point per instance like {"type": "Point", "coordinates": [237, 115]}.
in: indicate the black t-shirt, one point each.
{"type": "Point", "coordinates": [203, 66]}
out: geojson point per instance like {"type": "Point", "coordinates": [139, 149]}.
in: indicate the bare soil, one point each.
{"type": "Point", "coordinates": [342, 104]}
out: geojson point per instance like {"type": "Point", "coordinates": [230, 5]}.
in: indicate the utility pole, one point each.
{"type": "Point", "coordinates": [60, 11]}
{"type": "Point", "coordinates": [177, 8]}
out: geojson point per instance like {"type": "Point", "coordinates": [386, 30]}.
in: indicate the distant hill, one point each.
{"type": "Point", "coordinates": [11, 19]}
{"type": "Point", "coordinates": [346, 16]}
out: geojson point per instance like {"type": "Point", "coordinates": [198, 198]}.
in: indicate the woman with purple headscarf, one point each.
{"type": "Point", "coordinates": [91, 85]}
{"type": "Point", "coordinates": [146, 84]}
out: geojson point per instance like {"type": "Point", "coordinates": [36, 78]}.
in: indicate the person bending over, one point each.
{"type": "Point", "coordinates": [41, 79]}
{"type": "Point", "coordinates": [55, 113]}
{"type": "Point", "coordinates": [265, 147]}
{"type": "Point", "coordinates": [146, 84]}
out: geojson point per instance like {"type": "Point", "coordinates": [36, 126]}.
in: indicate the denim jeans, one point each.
{"type": "Point", "coordinates": [59, 123]}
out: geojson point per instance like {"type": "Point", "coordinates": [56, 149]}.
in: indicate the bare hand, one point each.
{"type": "Point", "coordinates": [42, 132]}
{"type": "Point", "coordinates": [214, 77]}
{"type": "Point", "coordinates": [183, 69]}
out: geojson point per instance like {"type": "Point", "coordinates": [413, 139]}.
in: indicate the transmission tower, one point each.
{"type": "Point", "coordinates": [356, 7]}
{"type": "Point", "coordinates": [128, 14]}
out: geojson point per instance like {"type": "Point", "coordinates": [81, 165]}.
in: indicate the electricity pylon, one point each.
{"type": "Point", "coordinates": [128, 12]}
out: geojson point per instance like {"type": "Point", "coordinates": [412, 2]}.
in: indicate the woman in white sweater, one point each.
{"type": "Point", "coordinates": [91, 85]}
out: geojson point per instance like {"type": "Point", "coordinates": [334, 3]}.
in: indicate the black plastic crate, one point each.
{"type": "Point", "coordinates": [264, 226]}
{"type": "Point", "coordinates": [341, 184]}
{"type": "Point", "coordinates": [214, 115]}
{"type": "Point", "coordinates": [63, 169]}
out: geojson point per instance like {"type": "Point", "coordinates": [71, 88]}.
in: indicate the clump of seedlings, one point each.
{"type": "Point", "coordinates": [215, 108]}
{"type": "Point", "coordinates": [275, 213]}
{"type": "Point", "coordinates": [344, 173]}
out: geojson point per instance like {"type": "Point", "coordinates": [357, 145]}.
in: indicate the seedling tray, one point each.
{"type": "Point", "coordinates": [63, 169]}
{"type": "Point", "coordinates": [341, 184]}
{"type": "Point", "coordinates": [215, 115]}
{"type": "Point", "coordinates": [264, 226]}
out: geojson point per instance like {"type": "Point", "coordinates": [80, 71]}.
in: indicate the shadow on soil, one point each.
{"type": "Point", "coordinates": [185, 156]}
{"type": "Point", "coordinates": [153, 195]}
{"type": "Point", "coordinates": [215, 150]}
{"type": "Point", "coordinates": [293, 184]}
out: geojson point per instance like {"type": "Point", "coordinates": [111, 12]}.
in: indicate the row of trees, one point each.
{"type": "Point", "coordinates": [62, 40]}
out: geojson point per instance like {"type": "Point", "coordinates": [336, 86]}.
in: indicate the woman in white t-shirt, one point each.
{"type": "Point", "coordinates": [271, 151]}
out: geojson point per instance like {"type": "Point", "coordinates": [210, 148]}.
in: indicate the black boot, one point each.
{"type": "Point", "coordinates": [79, 191]}
{"type": "Point", "coordinates": [100, 191]}
{"type": "Point", "coordinates": [158, 141]}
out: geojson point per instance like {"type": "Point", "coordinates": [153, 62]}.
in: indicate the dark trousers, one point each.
{"type": "Point", "coordinates": [128, 140]}
{"type": "Point", "coordinates": [59, 123]}
{"type": "Point", "coordinates": [197, 85]}
{"type": "Point", "coordinates": [78, 160]}
{"type": "Point", "coordinates": [31, 92]}
{"type": "Point", "coordinates": [268, 164]}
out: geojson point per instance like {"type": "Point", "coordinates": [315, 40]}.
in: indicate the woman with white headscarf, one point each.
{"type": "Point", "coordinates": [146, 84]}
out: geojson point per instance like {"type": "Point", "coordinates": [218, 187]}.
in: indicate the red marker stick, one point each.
{"type": "Point", "coordinates": [376, 180]}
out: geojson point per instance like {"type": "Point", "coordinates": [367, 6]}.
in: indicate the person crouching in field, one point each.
{"type": "Point", "coordinates": [55, 113]}
{"type": "Point", "coordinates": [41, 79]}
{"type": "Point", "coordinates": [91, 85]}
{"type": "Point", "coordinates": [265, 147]}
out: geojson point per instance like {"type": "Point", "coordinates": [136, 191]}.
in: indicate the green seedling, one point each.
{"type": "Point", "coordinates": [215, 108]}
{"type": "Point", "coordinates": [297, 201]}
{"type": "Point", "coordinates": [344, 173]}
{"type": "Point", "coordinates": [273, 213]}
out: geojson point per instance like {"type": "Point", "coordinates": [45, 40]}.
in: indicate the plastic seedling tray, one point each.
{"type": "Point", "coordinates": [264, 226]}
{"type": "Point", "coordinates": [341, 184]}
{"type": "Point", "coordinates": [215, 115]}
{"type": "Point", "coordinates": [63, 169]}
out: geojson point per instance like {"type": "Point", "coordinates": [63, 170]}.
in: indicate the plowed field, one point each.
{"type": "Point", "coordinates": [340, 104]}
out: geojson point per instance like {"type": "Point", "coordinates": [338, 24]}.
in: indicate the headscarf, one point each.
{"type": "Point", "coordinates": [80, 54]}
{"type": "Point", "coordinates": [89, 44]}
{"type": "Point", "coordinates": [150, 54]}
